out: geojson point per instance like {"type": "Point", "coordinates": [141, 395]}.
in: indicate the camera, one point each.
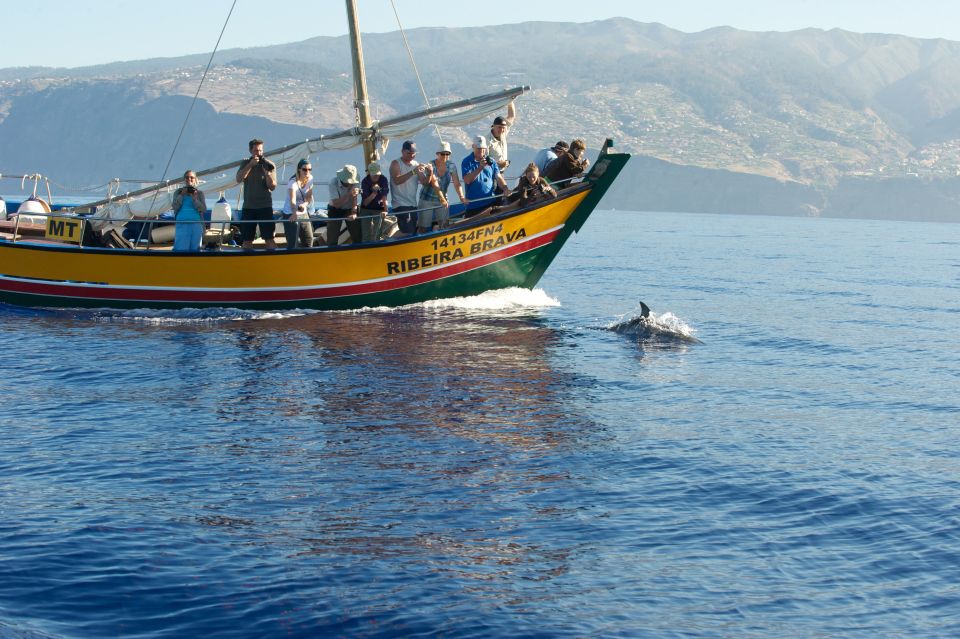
{"type": "Point", "coordinates": [191, 190]}
{"type": "Point", "coordinates": [489, 160]}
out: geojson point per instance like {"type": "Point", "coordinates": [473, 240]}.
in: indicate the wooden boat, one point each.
{"type": "Point", "coordinates": [503, 248]}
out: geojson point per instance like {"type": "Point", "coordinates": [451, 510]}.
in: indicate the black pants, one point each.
{"type": "Point", "coordinates": [264, 216]}
{"type": "Point", "coordinates": [406, 218]}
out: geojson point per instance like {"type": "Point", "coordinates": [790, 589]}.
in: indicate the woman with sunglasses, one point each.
{"type": "Point", "coordinates": [433, 204]}
{"type": "Point", "coordinates": [297, 206]}
{"type": "Point", "coordinates": [189, 205]}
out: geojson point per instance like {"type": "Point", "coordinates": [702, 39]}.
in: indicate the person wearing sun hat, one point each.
{"type": "Point", "coordinates": [373, 202]}
{"type": "Point", "coordinates": [342, 205]}
{"type": "Point", "coordinates": [433, 204]}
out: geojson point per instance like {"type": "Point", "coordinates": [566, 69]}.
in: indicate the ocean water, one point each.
{"type": "Point", "coordinates": [773, 452]}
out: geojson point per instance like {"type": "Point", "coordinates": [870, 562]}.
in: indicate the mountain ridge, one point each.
{"type": "Point", "coordinates": [814, 107]}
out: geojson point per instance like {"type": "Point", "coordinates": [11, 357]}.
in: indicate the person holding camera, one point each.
{"type": "Point", "coordinates": [259, 177]}
{"type": "Point", "coordinates": [342, 205]}
{"type": "Point", "coordinates": [434, 207]}
{"type": "Point", "coordinates": [373, 203]}
{"type": "Point", "coordinates": [481, 175]}
{"type": "Point", "coordinates": [405, 176]}
{"type": "Point", "coordinates": [297, 206]}
{"type": "Point", "coordinates": [568, 165]}
{"type": "Point", "coordinates": [531, 187]}
{"type": "Point", "coordinates": [189, 205]}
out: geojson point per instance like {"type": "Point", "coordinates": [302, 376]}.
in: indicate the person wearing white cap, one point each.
{"type": "Point", "coordinates": [434, 207]}
{"type": "Point", "coordinates": [481, 175]}
{"type": "Point", "coordinates": [373, 202]}
{"type": "Point", "coordinates": [342, 205]}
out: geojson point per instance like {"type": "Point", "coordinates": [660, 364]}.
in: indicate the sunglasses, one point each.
{"type": "Point", "coordinates": [443, 152]}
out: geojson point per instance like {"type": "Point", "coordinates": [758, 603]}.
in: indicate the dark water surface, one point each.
{"type": "Point", "coordinates": [506, 465]}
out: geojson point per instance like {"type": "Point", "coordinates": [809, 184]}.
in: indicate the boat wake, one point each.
{"type": "Point", "coordinates": [652, 329]}
{"type": "Point", "coordinates": [162, 317]}
{"type": "Point", "coordinates": [502, 302]}
{"type": "Point", "coordinates": [504, 299]}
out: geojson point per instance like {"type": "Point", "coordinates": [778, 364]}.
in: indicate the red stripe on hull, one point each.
{"type": "Point", "coordinates": [105, 292]}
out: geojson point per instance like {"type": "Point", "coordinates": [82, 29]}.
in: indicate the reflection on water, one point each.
{"type": "Point", "coordinates": [498, 466]}
{"type": "Point", "coordinates": [340, 456]}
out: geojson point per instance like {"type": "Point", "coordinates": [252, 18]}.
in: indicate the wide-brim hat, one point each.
{"type": "Point", "coordinates": [348, 174]}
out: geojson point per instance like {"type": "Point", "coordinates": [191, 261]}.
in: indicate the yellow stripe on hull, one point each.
{"type": "Point", "coordinates": [279, 269]}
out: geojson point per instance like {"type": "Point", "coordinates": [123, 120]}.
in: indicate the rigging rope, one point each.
{"type": "Point", "coordinates": [416, 72]}
{"type": "Point", "coordinates": [195, 96]}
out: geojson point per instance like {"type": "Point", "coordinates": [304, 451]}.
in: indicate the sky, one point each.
{"type": "Point", "coordinates": [75, 33]}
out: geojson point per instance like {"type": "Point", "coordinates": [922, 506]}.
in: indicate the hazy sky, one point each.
{"type": "Point", "coordinates": [73, 33]}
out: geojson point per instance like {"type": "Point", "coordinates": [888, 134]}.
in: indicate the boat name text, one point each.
{"type": "Point", "coordinates": [459, 245]}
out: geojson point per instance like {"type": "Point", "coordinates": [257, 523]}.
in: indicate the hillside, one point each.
{"type": "Point", "coordinates": [806, 122]}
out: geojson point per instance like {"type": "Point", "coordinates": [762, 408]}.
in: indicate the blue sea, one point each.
{"type": "Point", "coordinates": [773, 452]}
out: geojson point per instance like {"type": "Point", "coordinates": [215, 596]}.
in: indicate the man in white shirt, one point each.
{"type": "Point", "coordinates": [498, 137]}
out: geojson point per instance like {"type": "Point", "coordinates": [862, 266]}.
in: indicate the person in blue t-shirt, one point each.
{"type": "Point", "coordinates": [481, 175]}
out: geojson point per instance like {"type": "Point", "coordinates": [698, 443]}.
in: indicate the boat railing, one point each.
{"type": "Point", "coordinates": [70, 227]}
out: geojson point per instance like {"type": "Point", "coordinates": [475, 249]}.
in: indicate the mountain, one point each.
{"type": "Point", "coordinates": [808, 122]}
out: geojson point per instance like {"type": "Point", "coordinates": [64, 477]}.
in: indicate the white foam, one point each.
{"type": "Point", "coordinates": [506, 300]}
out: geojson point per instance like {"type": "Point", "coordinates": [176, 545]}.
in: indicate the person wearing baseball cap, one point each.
{"type": "Point", "coordinates": [404, 179]}
{"type": "Point", "coordinates": [548, 155]}
{"type": "Point", "coordinates": [498, 136]}
{"type": "Point", "coordinates": [482, 175]}
{"type": "Point", "coordinates": [568, 165]}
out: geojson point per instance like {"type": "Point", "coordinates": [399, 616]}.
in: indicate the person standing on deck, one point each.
{"type": "Point", "coordinates": [259, 177]}
{"type": "Point", "coordinates": [404, 179]}
{"type": "Point", "coordinates": [498, 137]}
{"type": "Point", "coordinates": [297, 206]}
{"type": "Point", "coordinates": [481, 175]}
{"type": "Point", "coordinates": [434, 207]}
{"type": "Point", "coordinates": [189, 205]}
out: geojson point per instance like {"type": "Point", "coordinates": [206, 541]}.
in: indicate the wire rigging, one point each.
{"type": "Point", "coordinates": [413, 63]}
{"type": "Point", "coordinates": [195, 97]}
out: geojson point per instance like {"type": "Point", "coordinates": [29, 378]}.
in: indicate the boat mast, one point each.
{"type": "Point", "coordinates": [361, 101]}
